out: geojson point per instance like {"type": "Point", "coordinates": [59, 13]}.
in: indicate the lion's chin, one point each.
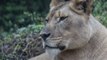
{"type": "Point", "coordinates": [53, 53]}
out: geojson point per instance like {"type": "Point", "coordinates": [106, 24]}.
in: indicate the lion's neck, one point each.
{"type": "Point", "coordinates": [94, 49]}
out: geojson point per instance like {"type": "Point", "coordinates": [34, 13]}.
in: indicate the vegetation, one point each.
{"type": "Point", "coordinates": [100, 11]}
{"type": "Point", "coordinates": [22, 20]}
{"type": "Point", "coordinates": [15, 14]}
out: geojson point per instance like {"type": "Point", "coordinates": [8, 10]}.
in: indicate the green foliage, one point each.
{"type": "Point", "coordinates": [15, 14]}
{"type": "Point", "coordinates": [30, 29]}
{"type": "Point", "coordinates": [100, 11]}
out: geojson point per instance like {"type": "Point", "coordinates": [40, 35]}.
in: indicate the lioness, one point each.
{"type": "Point", "coordinates": [72, 33]}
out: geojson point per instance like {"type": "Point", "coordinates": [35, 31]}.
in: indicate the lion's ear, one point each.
{"type": "Point", "coordinates": [85, 5]}
{"type": "Point", "coordinates": [54, 3]}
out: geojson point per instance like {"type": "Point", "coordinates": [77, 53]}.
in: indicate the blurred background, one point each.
{"type": "Point", "coordinates": [22, 20]}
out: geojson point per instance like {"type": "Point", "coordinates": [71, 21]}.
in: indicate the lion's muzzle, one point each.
{"type": "Point", "coordinates": [58, 47]}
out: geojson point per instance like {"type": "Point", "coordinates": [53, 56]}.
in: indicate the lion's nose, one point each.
{"type": "Point", "coordinates": [44, 35]}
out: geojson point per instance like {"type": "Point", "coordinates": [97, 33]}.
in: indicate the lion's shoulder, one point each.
{"type": "Point", "coordinates": [43, 56]}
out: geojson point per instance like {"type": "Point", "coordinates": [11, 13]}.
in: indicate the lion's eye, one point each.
{"type": "Point", "coordinates": [62, 18]}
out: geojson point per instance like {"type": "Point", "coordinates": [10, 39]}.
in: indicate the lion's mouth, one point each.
{"type": "Point", "coordinates": [58, 47]}
{"type": "Point", "coordinates": [58, 38]}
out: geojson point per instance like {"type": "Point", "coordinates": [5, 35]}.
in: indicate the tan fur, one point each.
{"type": "Point", "coordinates": [44, 57]}
{"type": "Point", "coordinates": [82, 35]}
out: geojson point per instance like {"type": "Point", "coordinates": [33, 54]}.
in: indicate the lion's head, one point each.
{"type": "Point", "coordinates": [67, 25]}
